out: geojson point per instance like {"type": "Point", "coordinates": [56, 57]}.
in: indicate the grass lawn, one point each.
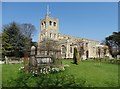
{"type": "Point", "coordinates": [96, 74]}
{"type": "Point", "coordinates": [9, 71]}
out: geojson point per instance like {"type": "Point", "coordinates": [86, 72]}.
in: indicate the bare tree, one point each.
{"type": "Point", "coordinates": [28, 31]}
{"type": "Point", "coordinates": [50, 47]}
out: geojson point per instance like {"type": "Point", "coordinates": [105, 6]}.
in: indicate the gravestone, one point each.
{"type": "Point", "coordinates": [32, 59]}
{"type": "Point", "coordinates": [6, 60]}
{"type": "Point", "coordinates": [43, 59]}
{"type": "Point", "coordinates": [118, 57]}
{"type": "Point", "coordinates": [39, 59]}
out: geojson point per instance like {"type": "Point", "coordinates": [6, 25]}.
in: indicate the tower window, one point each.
{"type": "Point", "coordinates": [50, 22]}
{"type": "Point", "coordinates": [50, 35]}
{"type": "Point", "coordinates": [42, 23]}
{"type": "Point", "coordinates": [54, 23]}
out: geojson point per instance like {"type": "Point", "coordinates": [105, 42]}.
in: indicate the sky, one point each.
{"type": "Point", "coordinates": [92, 20]}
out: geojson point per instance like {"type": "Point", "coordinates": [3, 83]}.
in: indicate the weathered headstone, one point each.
{"type": "Point", "coordinates": [6, 60]}
{"type": "Point", "coordinates": [118, 57]}
{"type": "Point", "coordinates": [33, 60]}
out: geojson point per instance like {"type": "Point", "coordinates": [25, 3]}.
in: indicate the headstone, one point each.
{"type": "Point", "coordinates": [118, 57]}
{"type": "Point", "coordinates": [33, 60]}
{"type": "Point", "coordinates": [6, 60]}
{"type": "Point", "coordinates": [43, 59]}
{"type": "Point", "coordinates": [110, 57]}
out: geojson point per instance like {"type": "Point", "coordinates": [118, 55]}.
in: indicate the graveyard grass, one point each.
{"type": "Point", "coordinates": [96, 74]}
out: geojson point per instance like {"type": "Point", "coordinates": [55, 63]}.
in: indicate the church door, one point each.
{"type": "Point", "coordinates": [87, 54]}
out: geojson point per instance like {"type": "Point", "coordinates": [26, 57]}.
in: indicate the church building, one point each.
{"type": "Point", "coordinates": [49, 28]}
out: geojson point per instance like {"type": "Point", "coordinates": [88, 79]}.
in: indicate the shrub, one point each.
{"type": "Point", "coordinates": [76, 57]}
{"type": "Point", "coordinates": [46, 81]}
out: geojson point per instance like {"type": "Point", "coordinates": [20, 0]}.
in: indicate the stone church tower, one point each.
{"type": "Point", "coordinates": [49, 27]}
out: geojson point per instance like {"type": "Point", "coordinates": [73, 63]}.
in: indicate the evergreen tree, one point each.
{"type": "Point", "coordinates": [10, 39]}
{"type": "Point", "coordinates": [76, 57]}
{"type": "Point", "coordinates": [14, 41]}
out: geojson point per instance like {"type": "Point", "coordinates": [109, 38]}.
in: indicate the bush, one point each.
{"type": "Point", "coordinates": [76, 57]}
{"type": "Point", "coordinates": [47, 81]}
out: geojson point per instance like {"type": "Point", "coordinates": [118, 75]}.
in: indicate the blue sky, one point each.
{"type": "Point", "coordinates": [82, 19]}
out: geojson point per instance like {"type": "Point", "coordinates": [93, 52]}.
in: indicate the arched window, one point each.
{"type": "Point", "coordinates": [105, 51]}
{"type": "Point", "coordinates": [99, 52]}
{"type": "Point", "coordinates": [50, 35]}
{"type": "Point", "coordinates": [50, 22]}
{"type": "Point", "coordinates": [42, 23]}
{"type": "Point", "coordinates": [63, 49]}
{"type": "Point", "coordinates": [87, 54]}
{"type": "Point", "coordinates": [54, 23]}
{"type": "Point", "coordinates": [70, 49]}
